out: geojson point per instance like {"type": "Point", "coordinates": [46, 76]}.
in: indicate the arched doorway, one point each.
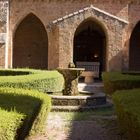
{"type": "Point", "coordinates": [30, 44]}
{"type": "Point", "coordinates": [134, 49]}
{"type": "Point", "coordinates": [90, 43]}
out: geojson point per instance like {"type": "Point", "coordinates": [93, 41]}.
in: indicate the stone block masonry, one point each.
{"type": "Point", "coordinates": [70, 13]}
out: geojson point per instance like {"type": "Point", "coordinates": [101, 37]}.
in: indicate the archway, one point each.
{"type": "Point", "coordinates": [30, 44]}
{"type": "Point", "coordinates": [134, 49]}
{"type": "Point", "coordinates": [90, 43]}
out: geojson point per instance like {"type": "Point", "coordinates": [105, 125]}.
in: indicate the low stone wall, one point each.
{"type": "Point", "coordinates": [93, 100]}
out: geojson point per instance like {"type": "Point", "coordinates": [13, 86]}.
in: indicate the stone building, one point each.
{"type": "Point", "coordinates": [47, 34]}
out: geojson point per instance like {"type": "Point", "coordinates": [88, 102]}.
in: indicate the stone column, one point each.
{"type": "Point", "coordinates": [3, 31]}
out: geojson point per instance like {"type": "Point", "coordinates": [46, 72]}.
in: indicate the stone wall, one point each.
{"type": "Point", "coordinates": [49, 10]}
{"type": "Point", "coordinates": [3, 30]}
{"type": "Point", "coordinates": [60, 38]}
{"type": "Point", "coordinates": [30, 44]}
{"type": "Point", "coordinates": [113, 27]}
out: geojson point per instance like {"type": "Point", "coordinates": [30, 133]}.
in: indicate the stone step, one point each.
{"type": "Point", "coordinates": [80, 108]}
{"type": "Point", "coordinates": [93, 100]}
{"type": "Point", "coordinates": [91, 88]}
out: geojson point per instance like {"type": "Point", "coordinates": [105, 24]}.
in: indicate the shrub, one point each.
{"type": "Point", "coordinates": [13, 72]}
{"type": "Point", "coordinates": [23, 112]}
{"type": "Point", "coordinates": [44, 81]}
{"type": "Point", "coordinates": [9, 123]}
{"type": "Point", "coordinates": [118, 81]}
{"type": "Point", "coordinates": [127, 104]}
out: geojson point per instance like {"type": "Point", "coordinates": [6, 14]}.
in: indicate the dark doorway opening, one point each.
{"type": "Point", "coordinates": [134, 49]}
{"type": "Point", "coordinates": [30, 44]}
{"type": "Point", "coordinates": [90, 44]}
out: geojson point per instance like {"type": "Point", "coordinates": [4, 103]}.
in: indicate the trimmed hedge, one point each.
{"type": "Point", "coordinates": [13, 72]}
{"type": "Point", "coordinates": [127, 104]}
{"type": "Point", "coordinates": [44, 81]}
{"type": "Point", "coordinates": [23, 112]}
{"type": "Point", "coordinates": [10, 122]}
{"type": "Point", "coordinates": [118, 81]}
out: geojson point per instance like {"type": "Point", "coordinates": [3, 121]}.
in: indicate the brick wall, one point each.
{"type": "Point", "coordinates": [30, 44]}
{"type": "Point", "coordinates": [3, 31]}
{"type": "Point", "coordinates": [49, 10]}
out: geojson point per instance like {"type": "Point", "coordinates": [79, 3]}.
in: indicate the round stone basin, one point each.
{"type": "Point", "coordinates": [71, 76]}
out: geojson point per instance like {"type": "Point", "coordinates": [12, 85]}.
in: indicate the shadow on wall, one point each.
{"type": "Point", "coordinates": [134, 49]}
{"type": "Point", "coordinates": [2, 55]}
{"type": "Point", "coordinates": [116, 63]}
{"type": "Point", "coordinates": [30, 44]}
{"type": "Point", "coordinates": [126, 56]}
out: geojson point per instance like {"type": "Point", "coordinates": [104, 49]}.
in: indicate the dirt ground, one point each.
{"type": "Point", "coordinates": [99, 128]}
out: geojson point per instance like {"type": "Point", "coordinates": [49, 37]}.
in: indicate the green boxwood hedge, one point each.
{"type": "Point", "coordinates": [127, 104]}
{"type": "Point", "coordinates": [118, 81]}
{"type": "Point", "coordinates": [22, 113]}
{"type": "Point", "coordinates": [44, 81]}
{"type": "Point", "coordinates": [10, 122]}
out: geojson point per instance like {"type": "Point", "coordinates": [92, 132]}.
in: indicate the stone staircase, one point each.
{"type": "Point", "coordinates": [91, 88]}
{"type": "Point", "coordinates": [91, 97]}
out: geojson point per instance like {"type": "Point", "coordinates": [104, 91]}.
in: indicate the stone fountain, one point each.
{"type": "Point", "coordinates": [71, 76]}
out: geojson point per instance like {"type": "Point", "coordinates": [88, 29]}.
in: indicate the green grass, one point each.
{"type": "Point", "coordinates": [89, 115]}
{"type": "Point", "coordinates": [24, 112]}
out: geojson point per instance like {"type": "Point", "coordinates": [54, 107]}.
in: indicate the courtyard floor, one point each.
{"type": "Point", "coordinates": [98, 125]}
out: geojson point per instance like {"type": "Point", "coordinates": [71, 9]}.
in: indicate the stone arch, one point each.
{"type": "Point", "coordinates": [90, 42]}
{"type": "Point", "coordinates": [94, 19]}
{"type": "Point", "coordinates": [30, 44]}
{"type": "Point", "coordinates": [134, 49]}
{"type": "Point", "coordinates": [112, 26]}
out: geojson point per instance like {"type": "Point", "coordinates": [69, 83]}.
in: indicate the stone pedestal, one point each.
{"type": "Point", "coordinates": [71, 76]}
{"type": "Point", "coordinates": [89, 75]}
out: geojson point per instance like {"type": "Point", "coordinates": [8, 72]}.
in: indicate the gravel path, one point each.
{"type": "Point", "coordinates": [100, 128]}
